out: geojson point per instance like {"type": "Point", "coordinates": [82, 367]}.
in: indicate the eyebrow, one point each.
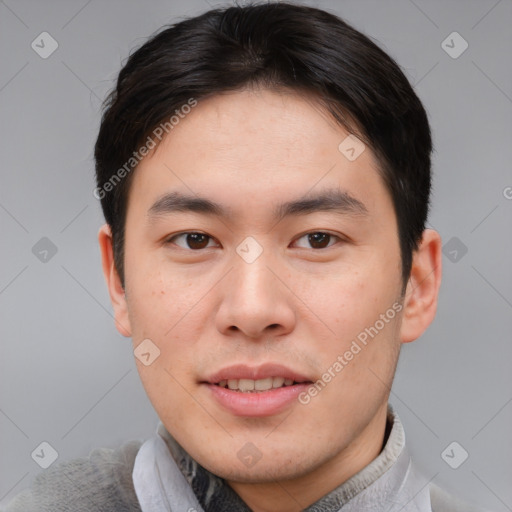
{"type": "Point", "coordinates": [336, 200]}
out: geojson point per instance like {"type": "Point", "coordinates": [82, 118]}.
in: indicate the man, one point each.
{"type": "Point", "coordinates": [264, 172]}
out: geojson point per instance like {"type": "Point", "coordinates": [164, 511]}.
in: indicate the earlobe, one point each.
{"type": "Point", "coordinates": [115, 288]}
{"type": "Point", "coordinates": [422, 291]}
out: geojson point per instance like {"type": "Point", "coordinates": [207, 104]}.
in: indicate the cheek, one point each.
{"type": "Point", "coordinates": [157, 302]}
{"type": "Point", "coordinates": [350, 301]}
{"type": "Point", "coordinates": [357, 308]}
{"type": "Point", "coordinates": [359, 369]}
{"type": "Point", "coordinates": [171, 313]}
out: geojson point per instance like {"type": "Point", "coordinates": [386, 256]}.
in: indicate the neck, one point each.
{"type": "Point", "coordinates": [297, 494]}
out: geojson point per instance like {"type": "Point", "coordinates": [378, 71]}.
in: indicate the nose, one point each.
{"type": "Point", "coordinates": [256, 300]}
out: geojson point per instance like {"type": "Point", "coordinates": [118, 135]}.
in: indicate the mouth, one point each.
{"type": "Point", "coordinates": [256, 386]}
{"type": "Point", "coordinates": [256, 391]}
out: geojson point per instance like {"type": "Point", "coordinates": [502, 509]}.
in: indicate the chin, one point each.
{"type": "Point", "coordinates": [261, 473]}
{"type": "Point", "coordinates": [265, 467]}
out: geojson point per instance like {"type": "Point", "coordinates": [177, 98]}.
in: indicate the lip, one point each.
{"type": "Point", "coordinates": [243, 371]}
{"type": "Point", "coordinates": [261, 403]}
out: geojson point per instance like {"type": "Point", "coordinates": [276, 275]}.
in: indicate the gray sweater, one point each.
{"type": "Point", "coordinates": [103, 482]}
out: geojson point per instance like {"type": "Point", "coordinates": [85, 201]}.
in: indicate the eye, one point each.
{"type": "Point", "coordinates": [317, 240]}
{"type": "Point", "coordinates": [191, 240]}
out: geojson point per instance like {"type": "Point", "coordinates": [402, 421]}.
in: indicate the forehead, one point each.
{"type": "Point", "coordinates": [258, 145]}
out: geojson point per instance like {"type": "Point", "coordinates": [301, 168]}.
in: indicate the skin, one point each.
{"type": "Point", "coordinates": [296, 304]}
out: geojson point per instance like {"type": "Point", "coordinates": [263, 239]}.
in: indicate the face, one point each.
{"type": "Point", "coordinates": [265, 267]}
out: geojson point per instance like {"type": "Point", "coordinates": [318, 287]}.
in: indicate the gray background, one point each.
{"type": "Point", "coordinates": [68, 378]}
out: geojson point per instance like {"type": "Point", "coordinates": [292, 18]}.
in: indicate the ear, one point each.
{"type": "Point", "coordinates": [115, 288]}
{"type": "Point", "coordinates": [420, 303]}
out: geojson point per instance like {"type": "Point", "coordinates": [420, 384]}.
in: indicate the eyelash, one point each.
{"type": "Point", "coordinates": [186, 233]}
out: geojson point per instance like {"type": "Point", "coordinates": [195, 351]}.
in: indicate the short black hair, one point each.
{"type": "Point", "coordinates": [274, 45]}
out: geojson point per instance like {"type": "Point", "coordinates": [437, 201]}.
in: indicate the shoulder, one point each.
{"type": "Point", "coordinates": [442, 501]}
{"type": "Point", "coordinates": [101, 481]}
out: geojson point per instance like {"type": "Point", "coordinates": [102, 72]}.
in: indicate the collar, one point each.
{"type": "Point", "coordinates": [167, 478]}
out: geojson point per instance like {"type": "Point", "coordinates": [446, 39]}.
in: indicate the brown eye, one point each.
{"type": "Point", "coordinates": [191, 240]}
{"type": "Point", "coordinates": [197, 240]}
{"type": "Point", "coordinates": [317, 240]}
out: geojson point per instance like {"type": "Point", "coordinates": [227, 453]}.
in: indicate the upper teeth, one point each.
{"type": "Point", "coordinates": [255, 385]}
